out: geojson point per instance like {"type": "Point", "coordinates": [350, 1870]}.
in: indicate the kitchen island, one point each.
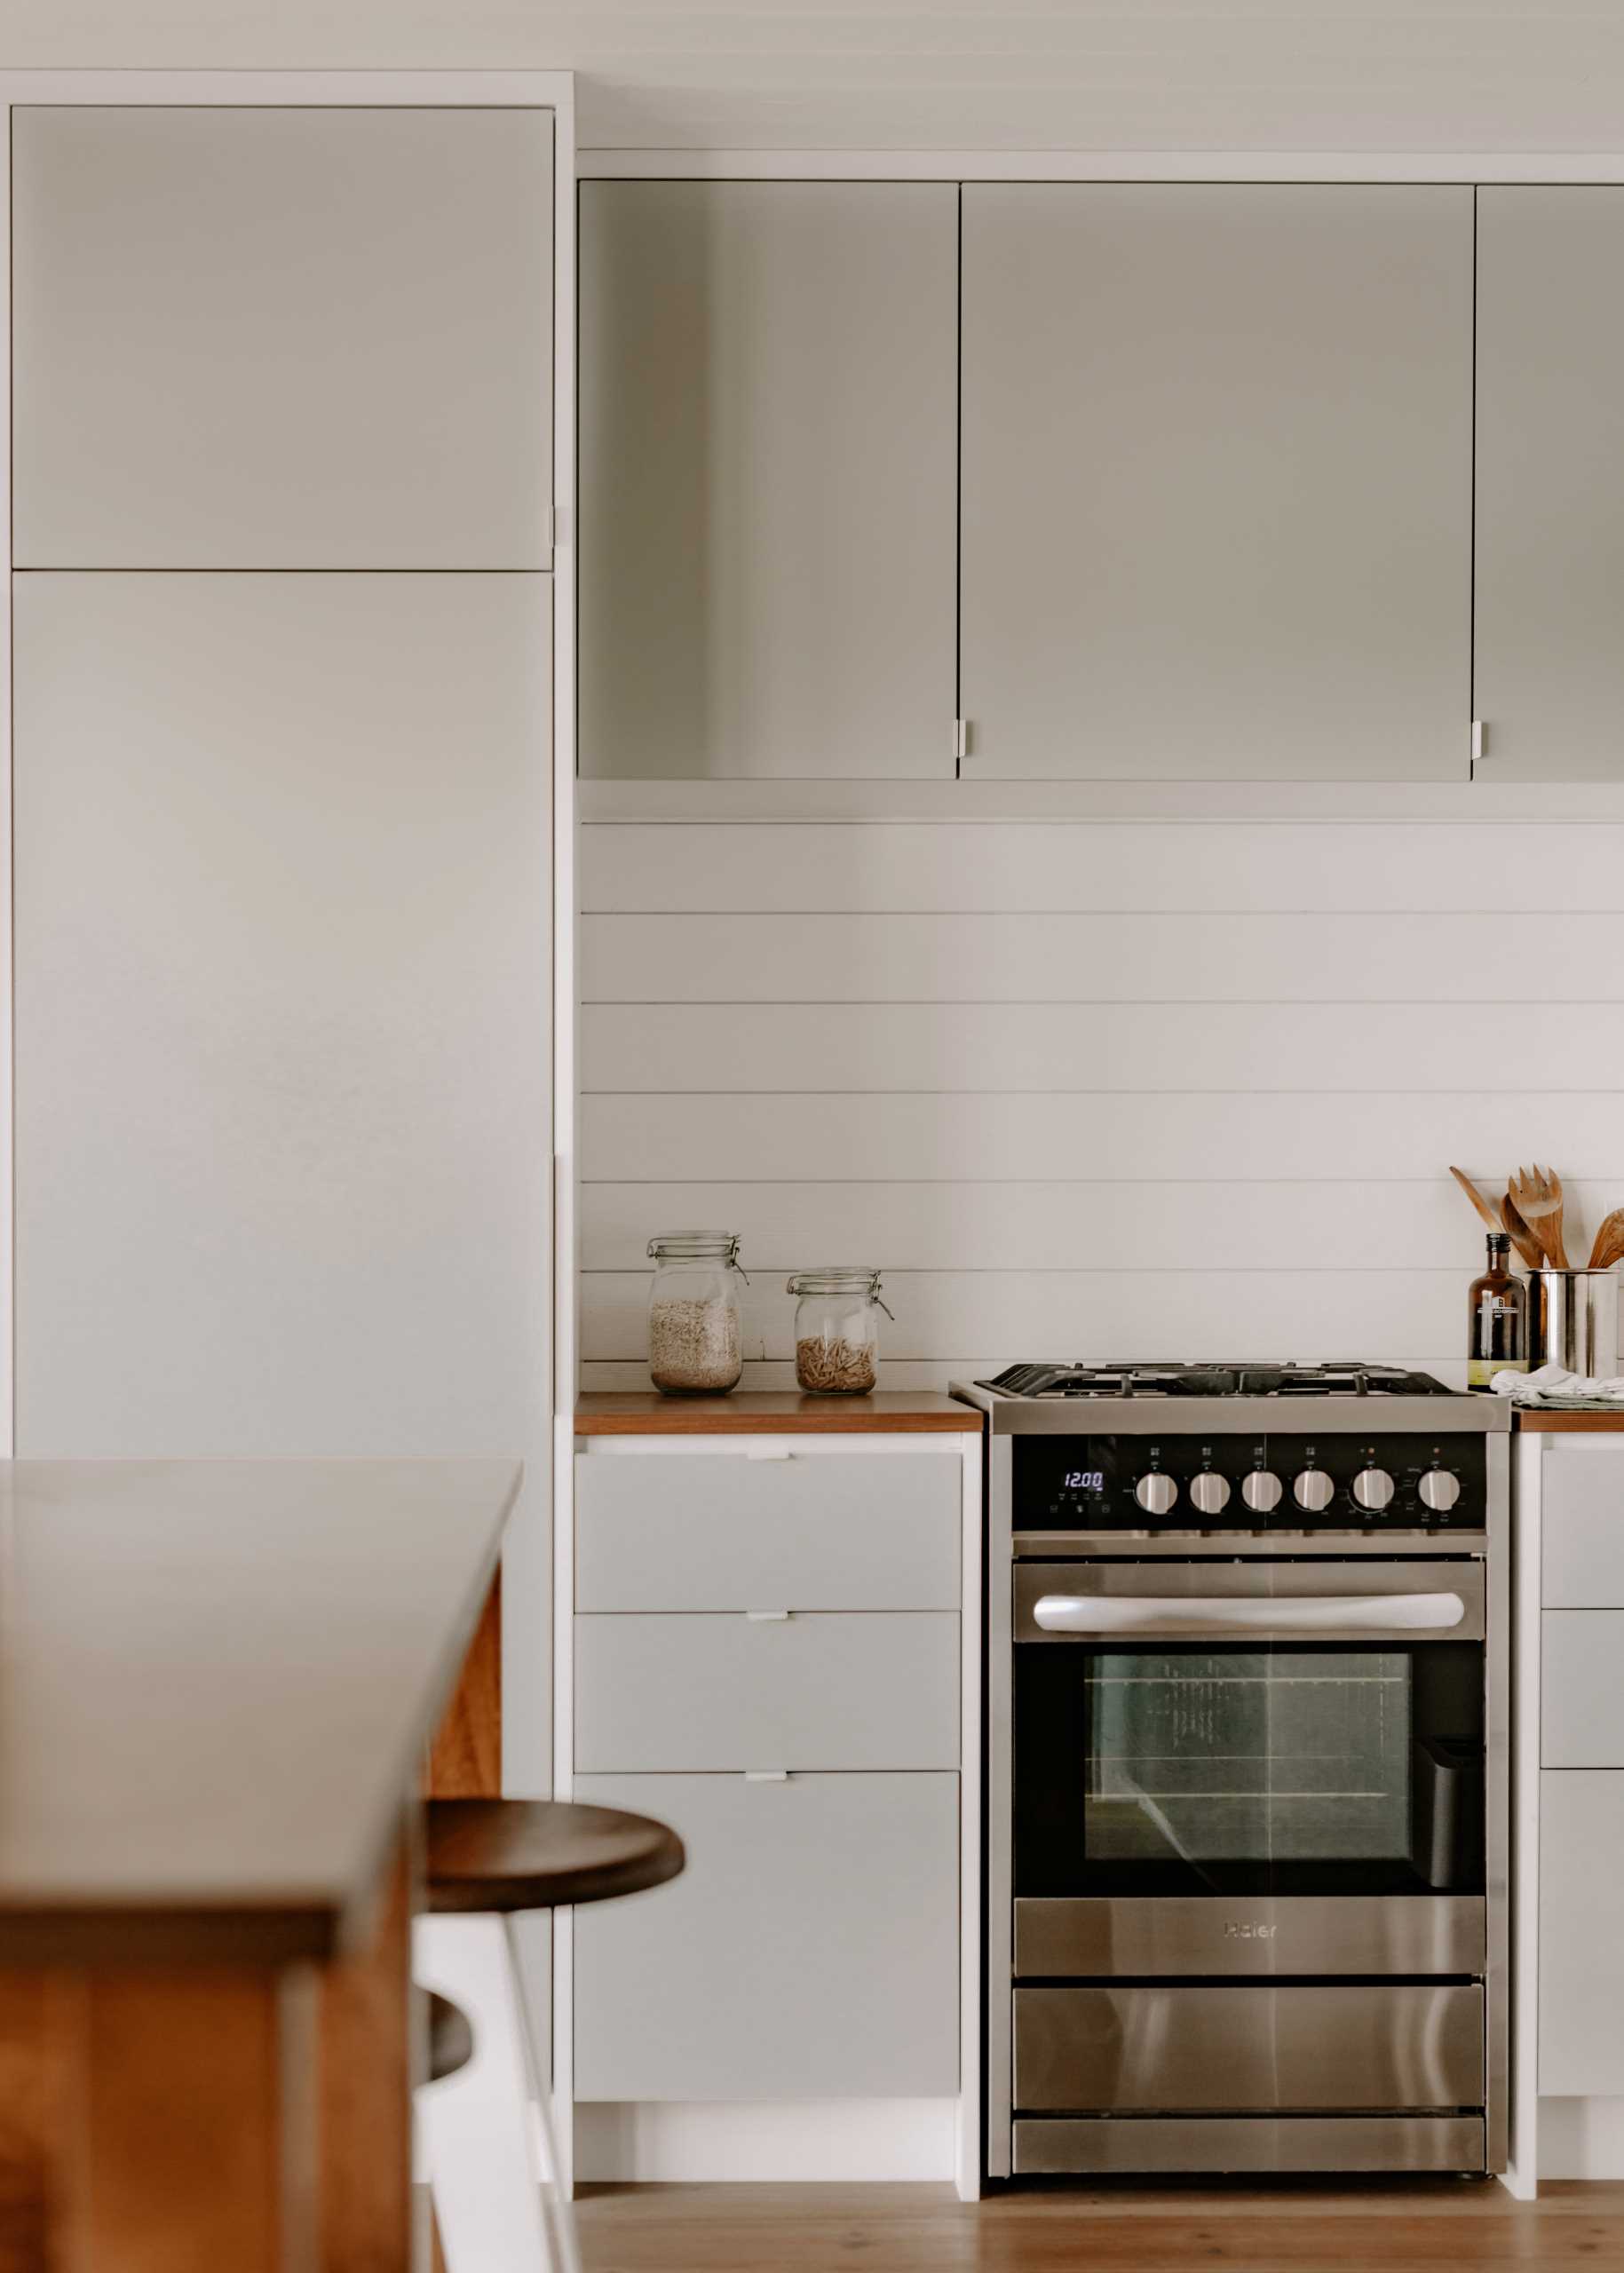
{"type": "Point", "coordinates": [218, 1680]}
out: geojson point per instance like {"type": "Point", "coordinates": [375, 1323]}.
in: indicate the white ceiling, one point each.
{"type": "Point", "coordinates": [1040, 74]}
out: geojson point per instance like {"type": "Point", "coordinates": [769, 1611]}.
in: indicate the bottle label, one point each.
{"type": "Point", "coordinates": [1481, 1371]}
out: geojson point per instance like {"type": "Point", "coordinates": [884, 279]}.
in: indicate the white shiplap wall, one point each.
{"type": "Point", "coordinates": [1091, 1088]}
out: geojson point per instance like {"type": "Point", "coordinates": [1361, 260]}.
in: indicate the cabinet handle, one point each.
{"type": "Point", "coordinates": [762, 1617]}
{"type": "Point", "coordinates": [766, 1775]}
{"type": "Point", "coordinates": [764, 1454]}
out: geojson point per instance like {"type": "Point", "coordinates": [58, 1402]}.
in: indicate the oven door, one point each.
{"type": "Point", "coordinates": [1286, 1757]}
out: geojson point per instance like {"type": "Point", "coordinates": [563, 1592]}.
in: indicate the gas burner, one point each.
{"type": "Point", "coordinates": [1335, 1378]}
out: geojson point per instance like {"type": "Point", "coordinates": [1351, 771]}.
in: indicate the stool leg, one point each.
{"type": "Point", "coordinates": [562, 2217]}
{"type": "Point", "coordinates": [479, 2145]}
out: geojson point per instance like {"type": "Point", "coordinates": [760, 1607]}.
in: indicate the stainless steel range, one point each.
{"type": "Point", "coordinates": [1248, 1766]}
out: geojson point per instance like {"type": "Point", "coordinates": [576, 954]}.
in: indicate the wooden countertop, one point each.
{"type": "Point", "coordinates": [216, 1681]}
{"type": "Point", "coordinates": [1552, 1420]}
{"type": "Point", "coordinates": [770, 1413]}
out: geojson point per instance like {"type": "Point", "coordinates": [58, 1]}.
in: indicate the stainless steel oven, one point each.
{"type": "Point", "coordinates": [1247, 1789]}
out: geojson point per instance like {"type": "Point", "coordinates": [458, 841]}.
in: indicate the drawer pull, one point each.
{"type": "Point", "coordinates": [764, 1454]}
{"type": "Point", "coordinates": [766, 1775]}
{"type": "Point", "coordinates": [765, 1617]}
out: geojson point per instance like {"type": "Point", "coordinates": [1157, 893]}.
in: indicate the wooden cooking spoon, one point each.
{"type": "Point", "coordinates": [1485, 1207]}
{"type": "Point", "coordinates": [1609, 1247]}
{"type": "Point", "coordinates": [1522, 1239]}
{"type": "Point", "coordinates": [1536, 1194]}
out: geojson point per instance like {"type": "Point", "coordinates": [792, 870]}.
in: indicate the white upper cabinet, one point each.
{"type": "Point", "coordinates": [1217, 503]}
{"type": "Point", "coordinates": [281, 339]}
{"type": "Point", "coordinates": [1550, 483]}
{"type": "Point", "coordinates": [768, 393]}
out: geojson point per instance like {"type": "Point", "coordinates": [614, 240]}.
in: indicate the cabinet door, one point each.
{"type": "Point", "coordinates": [810, 1950]}
{"type": "Point", "coordinates": [1549, 667]}
{"type": "Point", "coordinates": [1581, 1958]}
{"type": "Point", "coordinates": [281, 895]}
{"type": "Point", "coordinates": [282, 337]}
{"type": "Point", "coordinates": [1217, 514]}
{"type": "Point", "coordinates": [767, 448]}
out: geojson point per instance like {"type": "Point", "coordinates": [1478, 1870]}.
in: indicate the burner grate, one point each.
{"type": "Point", "coordinates": [1340, 1377]}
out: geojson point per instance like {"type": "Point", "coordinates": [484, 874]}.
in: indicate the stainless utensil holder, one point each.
{"type": "Point", "coordinates": [1574, 1320]}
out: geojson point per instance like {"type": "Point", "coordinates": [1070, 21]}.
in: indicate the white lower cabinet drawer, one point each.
{"type": "Point", "coordinates": [867, 1689]}
{"type": "Point", "coordinates": [1582, 1689]}
{"type": "Point", "coordinates": [726, 1530]}
{"type": "Point", "coordinates": [809, 1950]}
{"type": "Point", "coordinates": [1582, 1526]}
{"type": "Point", "coordinates": [1581, 1956]}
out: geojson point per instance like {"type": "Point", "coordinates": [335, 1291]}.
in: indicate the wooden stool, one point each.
{"type": "Point", "coordinates": [500, 1858]}
{"type": "Point", "coordinates": [450, 2037]}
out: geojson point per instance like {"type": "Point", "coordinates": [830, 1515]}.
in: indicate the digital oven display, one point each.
{"type": "Point", "coordinates": [1074, 1484]}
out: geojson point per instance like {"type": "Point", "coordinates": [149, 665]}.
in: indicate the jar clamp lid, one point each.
{"type": "Point", "coordinates": [840, 1278]}
{"type": "Point", "coordinates": [699, 1247]}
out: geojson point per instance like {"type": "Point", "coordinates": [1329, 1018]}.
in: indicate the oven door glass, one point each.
{"type": "Point", "coordinates": [1248, 1768]}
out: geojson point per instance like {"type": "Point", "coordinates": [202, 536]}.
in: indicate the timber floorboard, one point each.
{"type": "Point", "coordinates": [1404, 2226]}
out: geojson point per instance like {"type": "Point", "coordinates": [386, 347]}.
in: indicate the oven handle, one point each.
{"type": "Point", "coordinates": [1333, 1614]}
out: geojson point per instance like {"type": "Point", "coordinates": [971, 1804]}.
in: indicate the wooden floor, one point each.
{"type": "Point", "coordinates": [1416, 2226]}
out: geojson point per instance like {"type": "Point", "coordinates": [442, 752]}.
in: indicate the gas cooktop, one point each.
{"type": "Point", "coordinates": [1334, 1379]}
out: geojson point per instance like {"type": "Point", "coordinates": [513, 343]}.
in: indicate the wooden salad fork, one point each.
{"type": "Point", "coordinates": [1522, 1239]}
{"type": "Point", "coordinates": [1536, 1194]}
{"type": "Point", "coordinates": [1609, 1247]}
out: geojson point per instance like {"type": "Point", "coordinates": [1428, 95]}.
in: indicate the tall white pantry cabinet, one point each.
{"type": "Point", "coordinates": [281, 694]}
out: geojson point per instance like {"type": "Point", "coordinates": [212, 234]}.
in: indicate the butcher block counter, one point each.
{"type": "Point", "coordinates": [217, 1680]}
{"type": "Point", "coordinates": [1552, 1421]}
{"type": "Point", "coordinates": [771, 1413]}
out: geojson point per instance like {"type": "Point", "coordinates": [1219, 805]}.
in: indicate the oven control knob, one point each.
{"type": "Point", "coordinates": [1314, 1491]}
{"type": "Point", "coordinates": [1440, 1490]}
{"type": "Point", "coordinates": [1372, 1488]}
{"type": "Point", "coordinates": [1156, 1493]}
{"type": "Point", "coordinates": [1210, 1493]}
{"type": "Point", "coordinates": [1261, 1492]}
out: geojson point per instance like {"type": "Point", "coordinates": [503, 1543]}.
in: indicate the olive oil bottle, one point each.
{"type": "Point", "coordinates": [1497, 1319]}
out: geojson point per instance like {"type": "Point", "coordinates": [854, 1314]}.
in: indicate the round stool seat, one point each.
{"type": "Point", "coordinates": [450, 2037]}
{"type": "Point", "coordinates": [509, 1855]}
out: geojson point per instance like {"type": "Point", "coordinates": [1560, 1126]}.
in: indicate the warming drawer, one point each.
{"type": "Point", "coordinates": [1304, 1934]}
{"type": "Point", "coordinates": [1150, 2050]}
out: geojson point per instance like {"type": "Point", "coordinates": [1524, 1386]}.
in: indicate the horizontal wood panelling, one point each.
{"type": "Point", "coordinates": [1425, 1225]}
{"type": "Point", "coordinates": [1132, 867]}
{"type": "Point", "coordinates": [1158, 1046]}
{"type": "Point", "coordinates": [1250, 1139]}
{"type": "Point", "coordinates": [1092, 1089]}
{"type": "Point", "coordinates": [1259, 1314]}
{"type": "Point", "coordinates": [1118, 958]}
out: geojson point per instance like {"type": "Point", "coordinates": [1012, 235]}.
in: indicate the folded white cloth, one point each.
{"type": "Point", "coordinates": [1555, 1385]}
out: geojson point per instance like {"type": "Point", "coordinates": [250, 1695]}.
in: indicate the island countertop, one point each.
{"type": "Point", "coordinates": [216, 1681]}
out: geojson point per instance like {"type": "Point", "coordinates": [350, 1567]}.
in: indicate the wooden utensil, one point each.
{"type": "Point", "coordinates": [1536, 1194]}
{"type": "Point", "coordinates": [1485, 1207]}
{"type": "Point", "coordinates": [1522, 1239]}
{"type": "Point", "coordinates": [1609, 1247]}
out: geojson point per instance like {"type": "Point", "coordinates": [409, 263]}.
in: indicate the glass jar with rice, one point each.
{"type": "Point", "coordinates": [694, 1345]}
